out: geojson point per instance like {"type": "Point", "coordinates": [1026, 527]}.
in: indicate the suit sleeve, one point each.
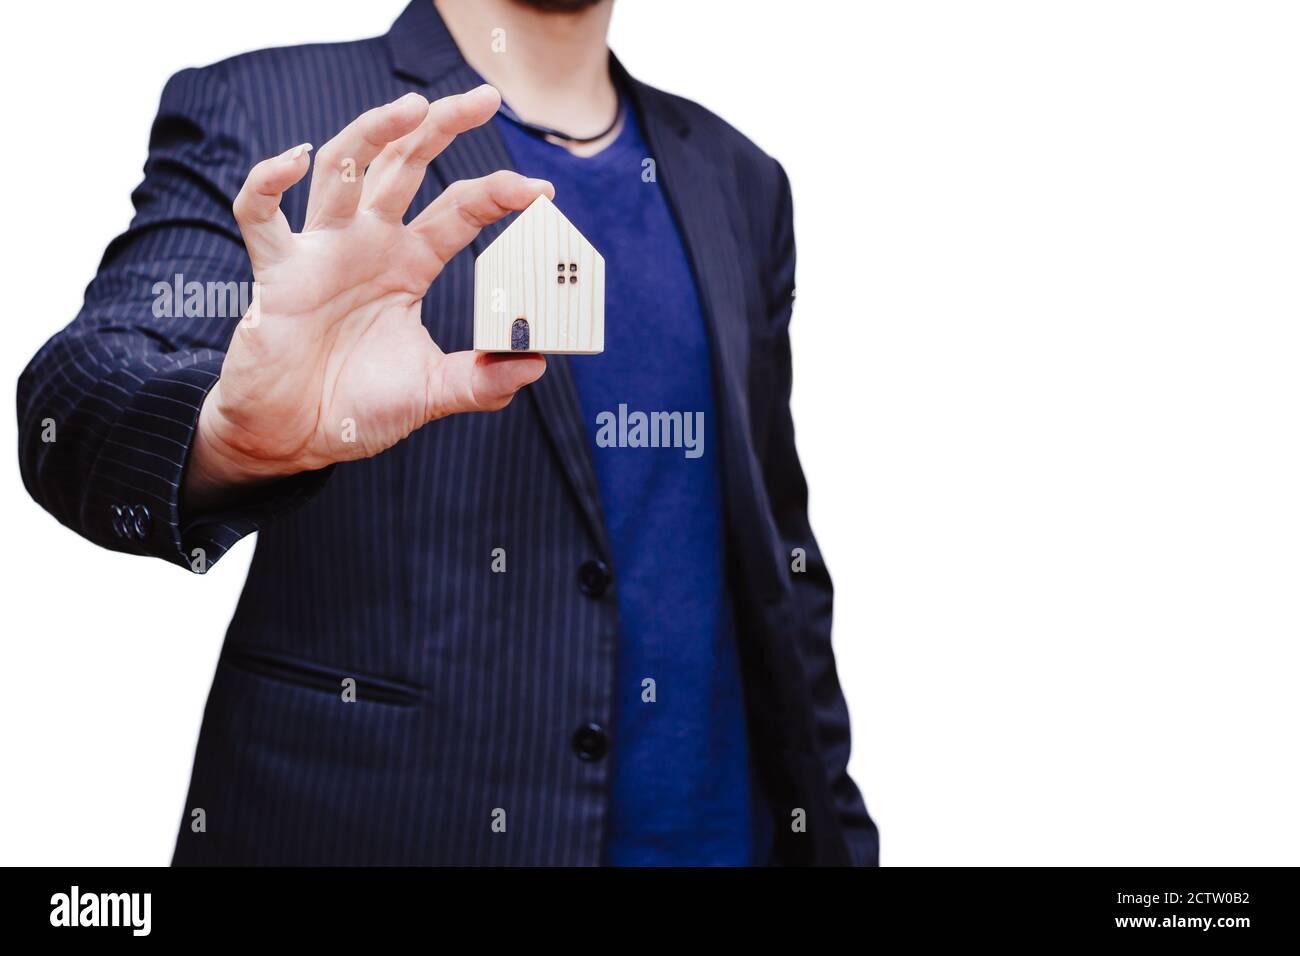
{"type": "Point", "coordinates": [107, 409]}
{"type": "Point", "coordinates": [812, 590]}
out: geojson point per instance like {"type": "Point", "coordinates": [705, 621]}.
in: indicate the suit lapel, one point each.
{"type": "Point", "coordinates": [705, 215]}
{"type": "Point", "coordinates": [479, 153]}
{"type": "Point", "coordinates": [423, 51]}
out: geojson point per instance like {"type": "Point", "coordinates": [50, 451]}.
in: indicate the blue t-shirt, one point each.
{"type": "Point", "coordinates": [680, 786]}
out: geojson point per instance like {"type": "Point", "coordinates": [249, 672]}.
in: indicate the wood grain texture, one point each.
{"type": "Point", "coordinates": [541, 270]}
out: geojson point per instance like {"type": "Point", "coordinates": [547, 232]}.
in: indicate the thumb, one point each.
{"type": "Point", "coordinates": [479, 381]}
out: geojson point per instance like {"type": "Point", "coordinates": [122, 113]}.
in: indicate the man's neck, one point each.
{"type": "Point", "coordinates": [551, 68]}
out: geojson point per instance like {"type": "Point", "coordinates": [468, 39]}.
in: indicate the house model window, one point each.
{"type": "Point", "coordinates": [540, 287]}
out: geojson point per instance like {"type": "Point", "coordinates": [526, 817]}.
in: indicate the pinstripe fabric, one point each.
{"type": "Point", "coordinates": [470, 683]}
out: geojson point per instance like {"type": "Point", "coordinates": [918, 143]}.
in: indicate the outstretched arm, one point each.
{"type": "Point", "coordinates": [157, 424]}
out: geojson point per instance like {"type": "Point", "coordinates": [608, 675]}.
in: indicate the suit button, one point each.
{"type": "Point", "coordinates": [119, 520]}
{"type": "Point", "coordinates": [590, 742]}
{"type": "Point", "coordinates": [140, 521]}
{"type": "Point", "coordinates": [594, 578]}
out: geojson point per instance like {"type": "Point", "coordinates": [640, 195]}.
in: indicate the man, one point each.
{"type": "Point", "coordinates": [464, 639]}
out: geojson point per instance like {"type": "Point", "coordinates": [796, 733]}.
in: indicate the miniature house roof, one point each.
{"type": "Point", "coordinates": [540, 287]}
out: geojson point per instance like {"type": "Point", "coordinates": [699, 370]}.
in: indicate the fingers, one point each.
{"type": "Point", "coordinates": [450, 222]}
{"type": "Point", "coordinates": [396, 174]}
{"type": "Point", "coordinates": [480, 381]}
{"type": "Point", "coordinates": [257, 207]}
{"type": "Point", "coordinates": [337, 180]}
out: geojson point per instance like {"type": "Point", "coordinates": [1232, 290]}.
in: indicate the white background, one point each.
{"type": "Point", "coordinates": [1046, 382]}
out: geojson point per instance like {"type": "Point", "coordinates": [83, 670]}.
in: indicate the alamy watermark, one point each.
{"type": "Point", "coordinates": [626, 429]}
{"type": "Point", "coordinates": [178, 299]}
{"type": "Point", "coordinates": [76, 908]}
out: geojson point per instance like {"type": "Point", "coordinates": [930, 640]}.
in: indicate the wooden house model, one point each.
{"type": "Point", "coordinates": [540, 287]}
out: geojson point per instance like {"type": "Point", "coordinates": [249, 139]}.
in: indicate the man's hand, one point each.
{"type": "Point", "coordinates": [334, 362]}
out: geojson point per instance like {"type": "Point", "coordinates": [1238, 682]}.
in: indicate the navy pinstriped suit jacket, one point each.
{"type": "Point", "coordinates": [471, 684]}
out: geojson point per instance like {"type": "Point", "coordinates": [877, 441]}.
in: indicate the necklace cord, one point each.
{"type": "Point", "coordinates": [543, 132]}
